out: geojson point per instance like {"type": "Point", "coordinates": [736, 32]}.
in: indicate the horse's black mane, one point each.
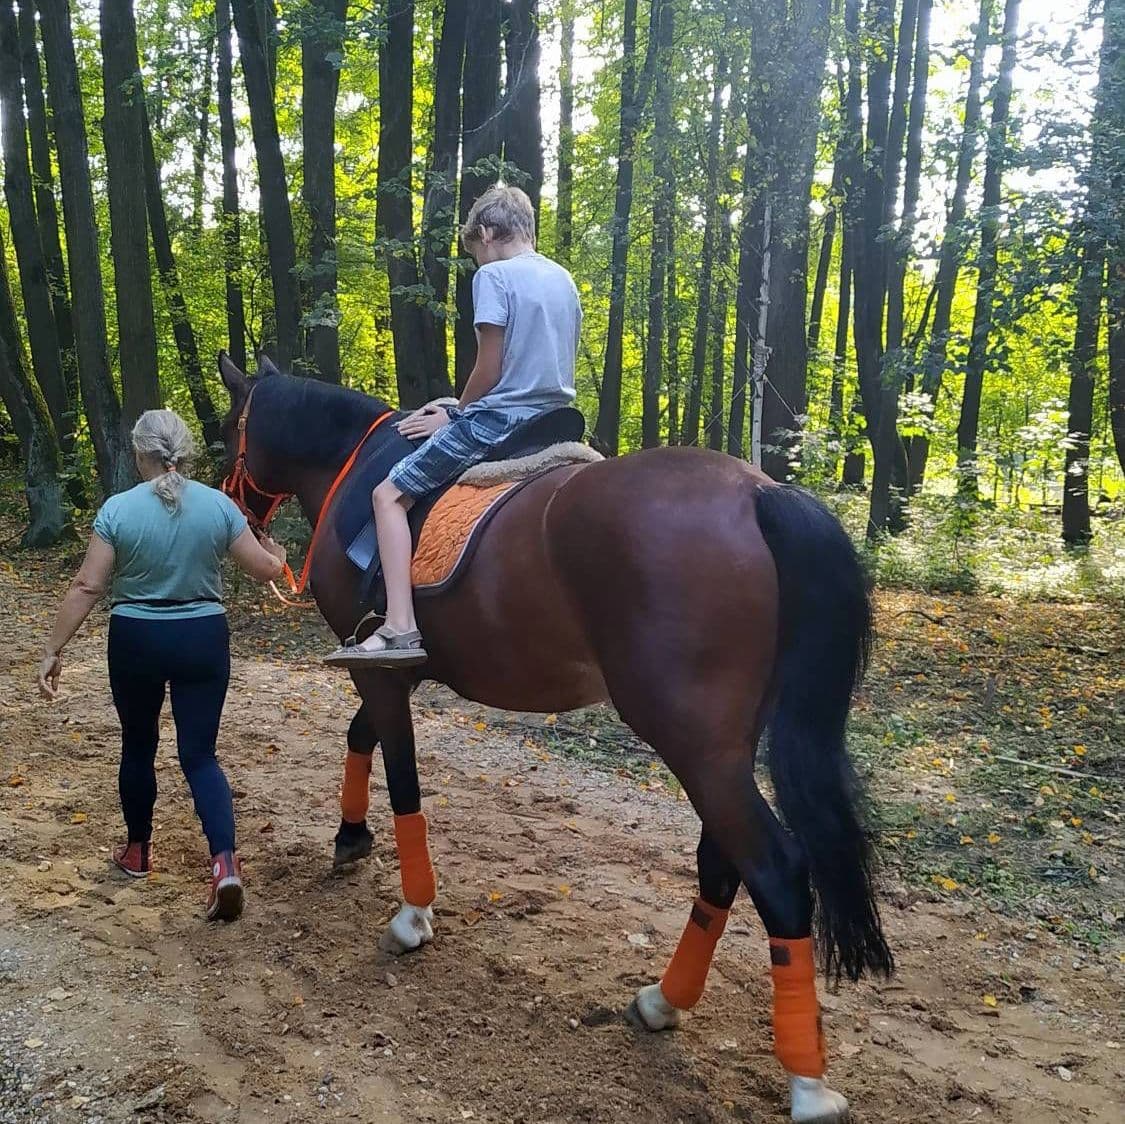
{"type": "Point", "coordinates": [308, 420]}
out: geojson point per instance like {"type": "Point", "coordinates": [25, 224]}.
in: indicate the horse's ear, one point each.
{"type": "Point", "coordinates": [266, 367]}
{"type": "Point", "coordinates": [233, 379]}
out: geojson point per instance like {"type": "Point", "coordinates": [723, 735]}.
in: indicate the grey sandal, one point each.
{"type": "Point", "coordinates": [400, 649]}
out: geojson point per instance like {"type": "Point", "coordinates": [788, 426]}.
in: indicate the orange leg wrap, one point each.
{"type": "Point", "coordinates": [686, 973]}
{"type": "Point", "coordinates": [419, 885]}
{"type": "Point", "coordinates": [798, 1040]}
{"type": "Point", "coordinates": [353, 798]}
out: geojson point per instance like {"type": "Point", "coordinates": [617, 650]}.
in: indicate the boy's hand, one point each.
{"type": "Point", "coordinates": [423, 423]}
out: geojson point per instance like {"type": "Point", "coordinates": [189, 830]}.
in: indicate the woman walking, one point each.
{"type": "Point", "coordinates": [159, 547]}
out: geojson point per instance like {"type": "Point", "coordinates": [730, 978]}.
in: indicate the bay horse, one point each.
{"type": "Point", "coordinates": [709, 604]}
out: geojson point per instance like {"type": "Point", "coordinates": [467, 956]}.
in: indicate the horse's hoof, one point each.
{"type": "Point", "coordinates": [814, 1103]}
{"type": "Point", "coordinates": [353, 842]}
{"type": "Point", "coordinates": [652, 1011]}
{"type": "Point", "coordinates": [409, 929]}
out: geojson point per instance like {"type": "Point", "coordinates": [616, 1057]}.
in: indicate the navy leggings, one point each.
{"type": "Point", "coordinates": [193, 655]}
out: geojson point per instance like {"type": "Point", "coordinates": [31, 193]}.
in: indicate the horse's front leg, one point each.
{"type": "Point", "coordinates": [386, 698]}
{"type": "Point", "coordinates": [353, 838]}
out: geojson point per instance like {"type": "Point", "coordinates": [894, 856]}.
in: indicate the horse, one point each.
{"type": "Point", "coordinates": [709, 604]}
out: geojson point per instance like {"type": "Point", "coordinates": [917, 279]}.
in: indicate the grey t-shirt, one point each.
{"type": "Point", "coordinates": [536, 303]}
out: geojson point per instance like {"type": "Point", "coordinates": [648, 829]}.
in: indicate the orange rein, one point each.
{"type": "Point", "coordinates": [236, 484]}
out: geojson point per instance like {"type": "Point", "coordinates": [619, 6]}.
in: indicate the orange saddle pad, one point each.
{"type": "Point", "coordinates": [448, 531]}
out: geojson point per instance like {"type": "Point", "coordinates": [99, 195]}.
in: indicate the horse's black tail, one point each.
{"type": "Point", "coordinates": [825, 640]}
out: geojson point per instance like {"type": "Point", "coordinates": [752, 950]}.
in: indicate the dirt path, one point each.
{"type": "Point", "coordinates": [562, 889]}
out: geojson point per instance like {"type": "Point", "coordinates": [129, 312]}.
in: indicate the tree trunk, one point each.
{"type": "Point", "coordinates": [633, 95]}
{"type": "Point", "coordinates": [103, 412]}
{"type": "Point", "coordinates": [747, 290]}
{"type": "Point", "coordinates": [663, 199]}
{"type": "Point", "coordinates": [322, 42]}
{"type": "Point", "coordinates": [254, 51]}
{"type": "Point", "coordinates": [439, 204]}
{"type": "Point", "coordinates": [202, 138]}
{"type": "Point", "coordinates": [523, 128]}
{"type": "Point", "coordinates": [480, 155]}
{"type": "Point", "coordinates": [1116, 312]}
{"type": "Point", "coordinates": [564, 206]}
{"type": "Point", "coordinates": [190, 366]}
{"type": "Point", "coordinates": [232, 251]}
{"type": "Point", "coordinates": [700, 336]}
{"type": "Point", "coordinates": [900, 248]}
{"type": "Point", "coordinates": [394, 210]}
{"type": "Point", "coordinates": [1101, 237]}
{"type": "Point", "coordinates": [1076, 484]}
{"type": "Point", "coordinates": [47, 214]}
{"type": "Point", "coordinates": [953, 243]}
{"type": "Point", "coordinates": [824, 257]}
{"type": "Point", "coordinates": [840, 350]}
{"type": "Point", "coordinates": [34, 283]}
{"type": "Point", "coordinates": [47, 519]}
{"type": "Point", "coordinates": [122, 128]}
{"type": "Point", "coordinates": [714, 432]}
{"type": "Point", "coordinates": [870, 274]}
{"type": "Point", "coordinates": [995, 158]}
{"type": "Point", "coordinates": [796, 116]}
{"type": "Point", "coordinates": [672, 353]}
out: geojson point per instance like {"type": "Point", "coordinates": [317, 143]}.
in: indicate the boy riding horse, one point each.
{"type": "Point", "coordinates": [528, 318]}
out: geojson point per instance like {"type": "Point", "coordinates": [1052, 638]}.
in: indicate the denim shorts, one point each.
{"type": "Point", "coordinates": [453, 449]}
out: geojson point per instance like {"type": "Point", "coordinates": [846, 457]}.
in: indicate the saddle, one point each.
{"type": "Point", "coordinates": [355, 524]}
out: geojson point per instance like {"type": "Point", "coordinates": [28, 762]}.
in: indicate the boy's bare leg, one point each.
{"type": "Point", "coordinates": [393, 532]}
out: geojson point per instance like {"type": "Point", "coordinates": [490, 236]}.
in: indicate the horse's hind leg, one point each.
{"type": "Point", "coordinates": [386, 701]}
{"type": "Point", "coordinates": [772, 867]}
{"type": "Point", "coordinates": [743, 842]}
{"type": "Point", "coordinates": [658, 1006]}
{"type": "Point", "coordinates": [353, 838]}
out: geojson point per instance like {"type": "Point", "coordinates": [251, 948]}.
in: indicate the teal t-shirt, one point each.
{"type": "Point", "coordinates": [167, 563]}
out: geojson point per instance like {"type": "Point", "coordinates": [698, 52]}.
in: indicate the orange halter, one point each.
{"type": "Point", "coordinates": [239, 482]}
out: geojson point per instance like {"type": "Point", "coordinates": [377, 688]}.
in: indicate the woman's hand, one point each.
{"type": "Point", "coordinates": [50, 669]}
{"type": "Point", "coordinates": [274, 548]}
{"type": "Point", "coordinates": [423, 423]}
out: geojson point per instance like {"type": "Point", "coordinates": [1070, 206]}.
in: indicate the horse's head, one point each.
{"type": "Point", "coordinates": [244, 466]}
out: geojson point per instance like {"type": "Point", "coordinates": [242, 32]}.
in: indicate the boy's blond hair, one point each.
{"type": "Point", "coordinates": [505, 210]}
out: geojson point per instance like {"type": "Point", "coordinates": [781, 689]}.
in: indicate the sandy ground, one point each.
{"type": "Point", "coordinates": [563, 888]}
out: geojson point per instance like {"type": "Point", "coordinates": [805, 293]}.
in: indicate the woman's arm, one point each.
{"type": "Point", "coordinates": [263, 560]}
{"type": "Point", "coordinates": [87, 589]}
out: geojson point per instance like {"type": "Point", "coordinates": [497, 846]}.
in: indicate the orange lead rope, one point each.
{"type": "Point", "coordinates": [235, 487]}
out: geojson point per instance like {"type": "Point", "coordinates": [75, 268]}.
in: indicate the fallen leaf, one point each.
{"type": "Point", "coordinates": [495, 896]}
{"type": "Point", "coordinates": [15, 780]}
{"type": "Point", "coordinates": [945, 882]}
{"type": "Point", "coordinates": [639, 940]}
{"type": "Point", "coordinates": [988, 1000]}
{"type": "Point", "coordinates": [966, 840]}
{"type": "Point", "coordinates": [78, 817]}
{"type": "Point", "coordinates": [480, 727]}
{"type": "Point", "coordinates": [1064, 1073]}
{"type": "Point", "coordinates": [1080, 750]}
{"type": "Point", "coordinates": [33, 1043]}
{"type": "Point", "coordinates": [993, 837]}
{"type": "Point", "coordinates": [950, 798]}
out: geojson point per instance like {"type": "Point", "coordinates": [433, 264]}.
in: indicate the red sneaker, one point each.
{"type": "Point", "coordinates": [134, 858]}
{"type": "Point", "coordinates": [225, 902]}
